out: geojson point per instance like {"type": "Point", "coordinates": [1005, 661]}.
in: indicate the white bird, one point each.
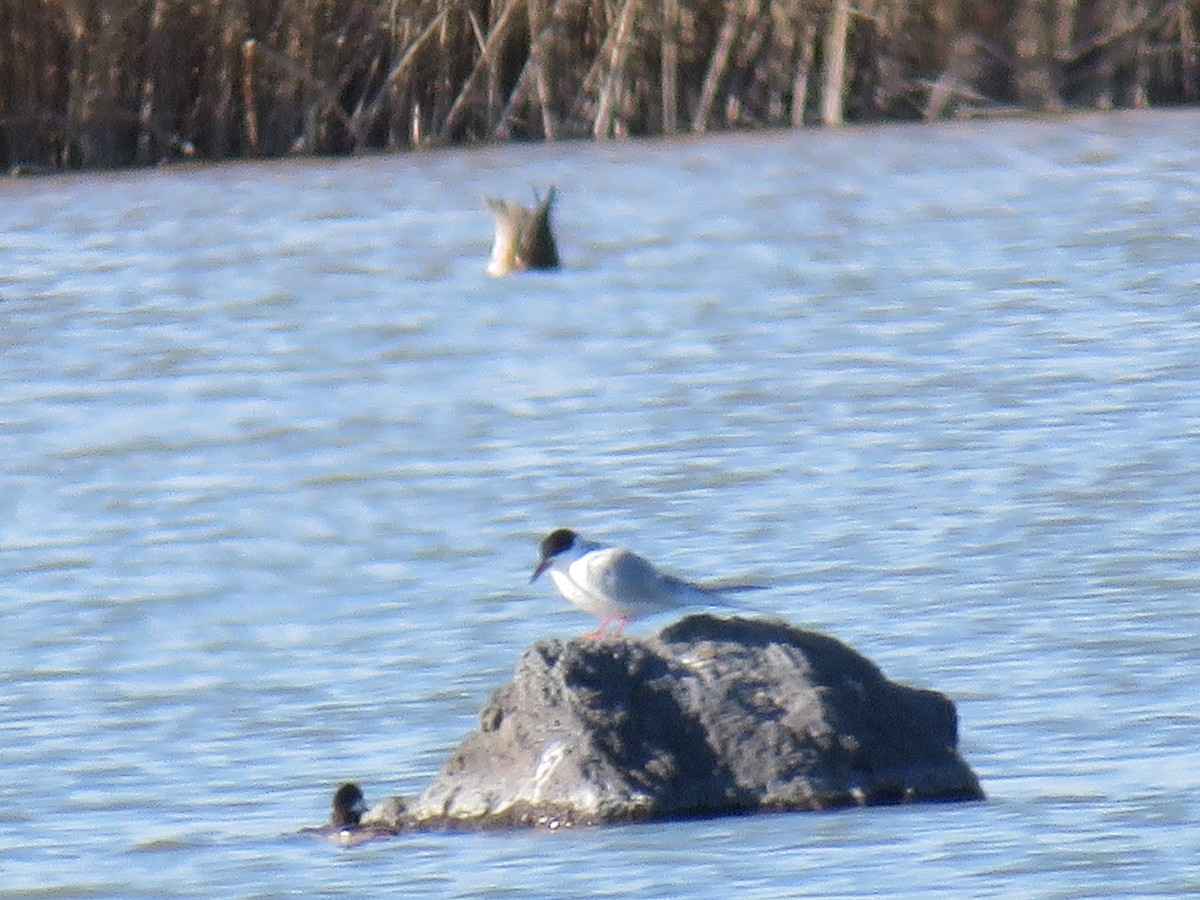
{"type": "Point", "coordinates": [615, 583]}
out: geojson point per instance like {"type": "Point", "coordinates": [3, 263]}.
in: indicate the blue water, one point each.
{"type": "Point", "coordinates": [275, 455]}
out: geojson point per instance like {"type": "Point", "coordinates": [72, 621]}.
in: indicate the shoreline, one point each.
{"type": "Point", "coordinates": [194, 164]}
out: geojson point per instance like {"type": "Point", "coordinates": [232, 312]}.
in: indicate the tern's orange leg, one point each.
{"type": "Point", "coordinates": [599, 632]}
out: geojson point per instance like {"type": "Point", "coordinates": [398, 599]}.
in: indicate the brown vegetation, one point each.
{"type": "Point", "coordinates": [89, 83]}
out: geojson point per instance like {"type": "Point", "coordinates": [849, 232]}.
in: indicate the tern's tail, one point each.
{"type": "Point", "coordinates": [733, 588]}
{"type": "Point", "coordinates": [715, 593]}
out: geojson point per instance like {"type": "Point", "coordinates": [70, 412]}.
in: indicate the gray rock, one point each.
{"type": "Point", "coordinates": [711, 716]}
{"type": "Point", "coordinates": [389, 814]}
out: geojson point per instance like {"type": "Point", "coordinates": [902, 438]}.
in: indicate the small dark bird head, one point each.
{"type": "Point", "coordinates": [349, 804]}
{"type": "Point", "coordinates": [556, 542]}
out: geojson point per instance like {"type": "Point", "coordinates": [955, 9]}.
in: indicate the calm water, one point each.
{"type": "Point", "coordinates": [275, 454]}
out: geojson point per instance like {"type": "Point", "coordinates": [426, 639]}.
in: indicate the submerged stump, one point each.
{"type": "Point", "coordinates": [711, 716]}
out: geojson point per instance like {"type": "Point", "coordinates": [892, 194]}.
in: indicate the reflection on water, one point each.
{"type": "Point", "coordinates": [276, 453]}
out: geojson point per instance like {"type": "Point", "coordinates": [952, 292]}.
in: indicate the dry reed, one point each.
{"type": "Point", "coordinates": [96, 83]}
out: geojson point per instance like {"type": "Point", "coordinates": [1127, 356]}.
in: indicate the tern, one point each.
{"type": "Point", "coordinates": [616, 584]}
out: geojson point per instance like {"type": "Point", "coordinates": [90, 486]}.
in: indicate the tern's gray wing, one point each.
{"type": "Point", "coordinates": [630, 581]}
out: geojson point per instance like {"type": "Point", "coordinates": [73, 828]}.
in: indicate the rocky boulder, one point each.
{"type": "Point", "coordinates": [711, 716]}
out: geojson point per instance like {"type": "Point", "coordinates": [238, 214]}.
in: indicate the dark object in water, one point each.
{"type": "Point", "coordinates": [351, 822]}
{"type": "Point", "coordinates": [524, 238]}
{"type": "Point", "coordinates": [345, 817]}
